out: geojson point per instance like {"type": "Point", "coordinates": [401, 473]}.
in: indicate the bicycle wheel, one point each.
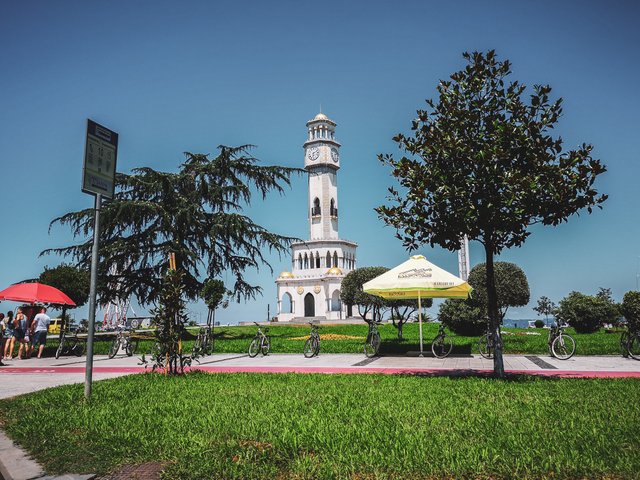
{"type": "Point", "coordinates": [197, 345]}
{"type": "Point", "coordinates": [60, 347]}
{"type": "Point", "coordinates": [563, 347]}
{"type": "Point", "coordinates": [78, 348]}
{"type": "Point", "coordinates": [624, 344]}
{"type": "Point", "coordinates": [634, 346]}
{"type": "Point", "coordinates": [372, 345]}
{"type": "Point", "coordinates": [131, 347]}
{"type": "Point", "coordinates": [316, 346]}
{"type": "Point", "coordinates": [309, 350]}
{"type": "Point", "coordinates": [254, 347]}
{"type": "Point", "coordinates": [485, 346]}
{"type": "Point", "coordinates": [441, 346]}
{"type": "Point", "coordinates": [265, 345]}
{"type": "Point", "coordinates": [115, 346]}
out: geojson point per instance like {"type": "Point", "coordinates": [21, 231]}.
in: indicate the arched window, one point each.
{"type": "Point", "coordinates": [306, 261]}
{"type": "Point", "coordinates": [286, 304]}
{"type": "Point", "coordinates": [317, 260]}
{"type": "Point", "coordinates": [333, 210]}
{"type": "Point", "coordinates": [315, 210]}
{"type": "Point", "coordinates": [335, 259]}
{"type": "Point", "coordinates": [328, 264]}
{"type": "Point", "coordinates": [335, 301]}
{"type": "Point", "coordinates": [300, 261]}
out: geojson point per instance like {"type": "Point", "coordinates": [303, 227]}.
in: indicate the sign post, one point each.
{"type": "Point", "coordinates": [99, 179]}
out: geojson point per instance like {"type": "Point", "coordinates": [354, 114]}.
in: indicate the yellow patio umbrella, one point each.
{"type": "Point", "coordinates": [417, 278]}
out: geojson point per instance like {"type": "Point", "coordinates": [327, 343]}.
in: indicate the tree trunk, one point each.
{"type": "Point", "coordinates": [400, 324]}
{"type": "Point", "coordinates": [494, 314]}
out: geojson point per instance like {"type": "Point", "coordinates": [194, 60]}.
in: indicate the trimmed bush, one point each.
{"type": "Point", "coordinates": [462, 318]}
{"type": "Point", "coordinates": [631, 309]}
{"type": "Point", "coordinates": [587, 314]}
{"type": "Point", "coordinates": [539, 323]}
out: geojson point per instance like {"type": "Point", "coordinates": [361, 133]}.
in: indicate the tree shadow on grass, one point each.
{"type": "Point", "coordinates": [464, 374]}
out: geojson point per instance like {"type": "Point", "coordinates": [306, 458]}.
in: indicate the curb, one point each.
{"type": "Point", "coordinates": [16, 464]}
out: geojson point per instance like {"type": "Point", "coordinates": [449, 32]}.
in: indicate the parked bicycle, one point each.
{"type": "Point", "coordinates": [442, 344]}
{"type": "Point", "coordinates": [69, 343]}
{"type": "Point", "coordinates": [125, 341]}
{"type": "Point", "coordinates": [561, 344]}
{"type": "Point", "coordinates": [372, 343]}
{"type": "Point", "coordinates": [203, 344]}
{"type": "Point", "coordinates": [260, 342]}
{"type": "Point", "coordinates": [630, 344]}
{"type": "Point", "coordinates": [312, 345]}
{"type": "Point", "coordinates": [487, 345]}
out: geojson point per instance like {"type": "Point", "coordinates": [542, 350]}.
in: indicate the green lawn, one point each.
{"type": "Point", "coordinates": [350, 339]}
{"type": "Point", "coordinates": [336, 426]}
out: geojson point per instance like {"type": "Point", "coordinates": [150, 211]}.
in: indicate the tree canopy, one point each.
{"type": "Point", "coordinates": [545, 307]}
{"type": "Point", "coordinates": [196, 212]}
{"type": "Point", "coordinates": [351, 292]}
{"type": "Point", "coordinates": [512, 287]}
{"type": "Point", "coordinates": [482, 162]}
{"type": "Point", "coordinates": [73, 281]}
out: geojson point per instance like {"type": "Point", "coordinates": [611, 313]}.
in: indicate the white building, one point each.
{"type": "Point", "coordinates": [312, 287]}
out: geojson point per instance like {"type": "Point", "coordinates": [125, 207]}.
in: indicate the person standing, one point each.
{"type": "Point", "coordinates": [20, 332]}
{"type": "Point", "coordinates": [8, 335]}
{"type": "Point", "coordinates": [40, 327]}
{"type": "Point", "coordinates": [3, 327]}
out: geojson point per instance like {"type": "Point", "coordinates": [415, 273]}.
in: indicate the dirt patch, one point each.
{"type": "Point", "coordinates": [331, 336]}
{"type": "Point", "coordinates": [141, 471]}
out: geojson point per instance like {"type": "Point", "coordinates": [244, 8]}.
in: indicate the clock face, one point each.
{"type": "Point", "coordinates": [334, 155]}
{"type": "Point", "coordinates": [313, 153]}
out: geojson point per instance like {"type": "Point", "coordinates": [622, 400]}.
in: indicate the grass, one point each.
{"type": "Point", "coordinates": [350, 339]}
{"type": "Point", "coordinates": [338, 426]}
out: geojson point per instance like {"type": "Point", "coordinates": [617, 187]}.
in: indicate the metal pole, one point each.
{"type": "Point", "coordinates": [92, 298]}
{"type": "Point", "coordinates": [420, 318]}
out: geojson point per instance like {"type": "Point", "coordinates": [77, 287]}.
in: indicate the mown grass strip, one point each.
{"type": "Point", "coordinates": [338, 426]}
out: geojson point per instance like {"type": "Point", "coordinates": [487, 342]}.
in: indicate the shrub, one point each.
{"type": "Point", "coordinates": [631, 309]}
{"type": "Point", "coordinates": [587, 314]}
{"type": "Point", "coordinates": [462, 318]}
{"type": "Point", "coordinates": [539, 323]}
{"type": "Point", "coordinates": [512, 287]}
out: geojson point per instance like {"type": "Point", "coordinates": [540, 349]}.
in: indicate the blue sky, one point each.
{"type": "Point", "coordinates": [187, 76]}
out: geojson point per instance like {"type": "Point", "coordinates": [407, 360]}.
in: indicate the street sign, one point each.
{"type": "Point", "coordinates": [100, 155]}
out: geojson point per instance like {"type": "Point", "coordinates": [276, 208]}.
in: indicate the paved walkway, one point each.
{"type": "Point", "coordinates": [24, 376]}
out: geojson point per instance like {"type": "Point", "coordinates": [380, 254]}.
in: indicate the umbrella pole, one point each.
{"type": "Point", "coordinates": [420, 319]}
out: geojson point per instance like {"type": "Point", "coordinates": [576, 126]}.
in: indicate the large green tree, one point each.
{"type": "Point", "coordinates": [195, 212]}
{"type": "Point", "coordinates": [73, 281]}
{"type": "Point", "coordinates": [351, 292]}
{"type": "Point", "coordinates": [482, 162]}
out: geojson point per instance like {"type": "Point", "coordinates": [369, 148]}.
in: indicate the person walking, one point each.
{"type": "Point", "coordinates": [20, 333]}
{"type": "Point", "coordinates": [8, 335]}
{"type": "Point", "coordinates": [40, 327]}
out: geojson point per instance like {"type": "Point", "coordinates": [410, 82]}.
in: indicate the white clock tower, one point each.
{"type": "Point", "coordinates": [312, 287]}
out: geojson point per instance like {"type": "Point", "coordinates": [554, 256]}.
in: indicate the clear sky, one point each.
{"type": "Point", "coordinates": [187, 76]}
